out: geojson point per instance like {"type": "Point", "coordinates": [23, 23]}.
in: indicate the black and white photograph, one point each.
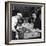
{"type": "Point", "coordinates": [26, 22]}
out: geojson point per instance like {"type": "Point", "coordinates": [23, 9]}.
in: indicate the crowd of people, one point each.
{"type": "Point", "coordinates": [21, 24]}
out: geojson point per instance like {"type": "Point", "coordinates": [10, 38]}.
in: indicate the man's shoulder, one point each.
{"type": "Point", "coordinates": [13, 16]}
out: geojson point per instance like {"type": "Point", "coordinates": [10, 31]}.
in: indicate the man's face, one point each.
{"type": "Point", "coordinates": [34, 15]}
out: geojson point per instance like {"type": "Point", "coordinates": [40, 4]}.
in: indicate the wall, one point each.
{"type": "Point", "coordinates": [2, 23]}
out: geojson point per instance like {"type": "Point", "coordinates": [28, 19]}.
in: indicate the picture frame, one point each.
{"type": "Point", "coordinates": [20, 7]}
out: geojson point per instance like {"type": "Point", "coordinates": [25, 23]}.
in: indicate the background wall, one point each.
{"type": "Point", "coordinates": [2, 23]}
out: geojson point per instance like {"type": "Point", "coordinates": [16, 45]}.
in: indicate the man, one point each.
{"type": "Point", "coordinates": [37, 24]}
{"type": "Point", "coordinates": [37, 21]}
{"type": "Point", "coordinates": [14, 24]}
